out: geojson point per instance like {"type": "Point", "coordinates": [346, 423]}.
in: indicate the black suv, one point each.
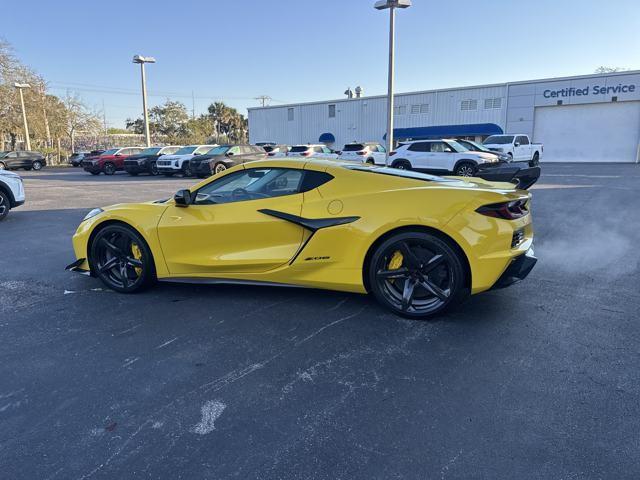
{"type": "Point", "coordinates": [220, 158]}
{"type": "Point", "coordinates": [26, 160]}
{"type": "Point", "coordinates": [145, 161]}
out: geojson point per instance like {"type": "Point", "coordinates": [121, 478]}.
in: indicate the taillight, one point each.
{"type": "Point", "coordinates": [362, 152]}
{"type": "Point", "coordinates": [306, 154]}
{"type": "Point", "coordinates": [392, 153]}
{"type": "Point", "coordinates": [507, 210]}
{"type": "Point", "coordinates": [271, 154]}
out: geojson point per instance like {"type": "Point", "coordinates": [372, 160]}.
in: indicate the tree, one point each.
{"type": "Point", "coordinates": [79, 119]}
{"type": "Point", "coordinates": [170, 120]}
{"type": "Point", "coordinates": [227, 122]}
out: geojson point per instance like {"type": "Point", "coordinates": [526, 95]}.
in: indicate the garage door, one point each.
{"type": "Point", "coordinates": [602, 132]}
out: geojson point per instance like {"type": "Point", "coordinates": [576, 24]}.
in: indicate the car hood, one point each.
{"type": "Point", "coordinates": [206, 158]}
{"type": "Point", "coordinates": [178, 157]}
{"type": "Point", "coordinates": [7, 174]}
{"type": "Point", "coordinates": [141, 157]}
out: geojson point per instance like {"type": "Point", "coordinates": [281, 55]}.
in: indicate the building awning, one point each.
{"type": "Point", "coordinates": [444, 131]}
{"type": "Point", "coordinates": [327, 138]}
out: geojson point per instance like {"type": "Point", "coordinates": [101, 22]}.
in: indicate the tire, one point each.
{"type": "Point", "coordinates": [121, 259]}
{"type": "Point", "coordinates": [465, 169]}
{"type": "Point", "coordinates": [401, 165]}
{"type": "Point", "coordinates": [109, 168]}
{"type": "Point", "coordinates": [153, 169]}
{"type": "Point", "coordinates": [5, 205]}
{"type": "Point", "coordinates": [37, 165]}
{"type": "Point", "coordinates": [3, 166]}
{"type": "Point", "coordinates": [95, 173]}
{"type": "Point", "coordinates": [219, 167]}
{"type": "Point", "coordinates": [535, 161]}
{"type": "Point", "coordinates": [510, 155]}
{"type": "Point", "coordinates": [186, 170]}
{"type": "Point", "coordinates": [27, 169]}
{"type": "Point", "coordinates": [370, 161]}
{"type": "Point", "coordinates": [416, 275]}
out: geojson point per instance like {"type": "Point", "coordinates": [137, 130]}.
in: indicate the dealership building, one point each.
{"type": "Point", "coordinates": [588, 118]}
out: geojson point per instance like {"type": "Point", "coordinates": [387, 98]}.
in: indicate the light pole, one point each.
{"type": "Point", "coordinates": [20, 87]}
{"type": "Point", "coordinates": [142, 60]}
{"type": "Point", "coordinates": [391, 5]}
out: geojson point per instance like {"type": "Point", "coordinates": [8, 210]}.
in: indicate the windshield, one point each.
{"type": "Point", "coordinates": [354, 147]}
{"type": "Point", "coordinates": [299, 148]}
{"type": "Point", "coordinates": [111, 151]}
{"type": "Point", "coordinates": [186, 151]}
{"type": "Point", "coordinates": [151, 151]}
{"type": "Point", "coordinates": [3, 154]}
{"type": "Point", "coordinates": [398, 173]}
{"type": "Point", "coordinates": [498, 140]}
{"type": "Point", "coordinates": [221, 150]}
{"type": "Point", "coordinates": [458, 147]}
{"type": "Point", "coordinates": [471, 145]}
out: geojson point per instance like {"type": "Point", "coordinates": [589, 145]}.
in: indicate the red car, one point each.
{"type": "Point", "coordinates": [110, 161]}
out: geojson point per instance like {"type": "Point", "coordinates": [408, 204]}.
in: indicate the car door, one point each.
{"type": "Point", "coordinates": [524, 150]}
{"type": "Point", "coordinates": [11, 160]}
{"type": "Point", "coordinates": [225, 231]}
{"type": "Point", "coordinates": [379, 154]}
{"type": "Point", "coordinates": [25, 159]}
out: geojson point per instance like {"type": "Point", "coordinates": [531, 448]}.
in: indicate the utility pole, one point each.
{"type": "Point", "coordinates": [20, 87]}
{"type": "Point", "coordinates": [264, 99]}
{"type": "Point", "coordinates": [104, 119]}
{"type": "Point", "coordinates": [142, 60]}
{"type": "Point", "coordinates": [193, 105]}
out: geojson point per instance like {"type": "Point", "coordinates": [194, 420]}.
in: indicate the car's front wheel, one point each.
{"type": "Point", "coordinates": [416, 274]}
{"type": "Point", "coordinates": [465, 169]}
{"type": "Point", "coordinates": [2, 166]}
{"type": "Point", "coordinates": [220, 167]}
{"type": "Point", "coordinates": [186, 170]}
{"type": "Point", "coordinates": [37, 165]}
{"type": "Point", "coordinates": [5, 206]}
{"type": "Point", "coordinates": [120, 257]}
{"type": "Point", "coordinates": [154, 169]}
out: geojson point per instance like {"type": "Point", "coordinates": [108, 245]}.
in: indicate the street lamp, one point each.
{"type": "Point", "coordinates": [20, 87]}
{"type": "Point", "coordinates": [142, 60]}
{"type": "Point", "coordinates": [391, 5]}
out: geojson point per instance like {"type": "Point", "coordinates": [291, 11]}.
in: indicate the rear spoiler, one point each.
{"type": "Point", "coordinates": [523, 178]}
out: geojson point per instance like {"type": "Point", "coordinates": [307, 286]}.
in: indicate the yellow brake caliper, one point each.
{"type": "Point", "coordinates": [396, 261]}
{"type": "Point", "coordinates": [137, 254]}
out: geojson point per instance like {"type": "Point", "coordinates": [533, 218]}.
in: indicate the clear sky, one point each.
{"type": "Point", "coordinates": [303, 50]}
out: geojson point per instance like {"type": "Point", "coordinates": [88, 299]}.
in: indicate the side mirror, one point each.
{"type": "Point", "coordinates": [517, 144]}
{"type": "Point", "coordinates": [229, 154]}
{"type": "Point", "coordinates": [182, 198]}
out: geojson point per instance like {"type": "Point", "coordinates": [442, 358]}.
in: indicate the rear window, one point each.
{"type": "Point", "coordinates": [353, 147]}
{"type": "Point", "coordinates": [499, 140]}
{"type": "Point", "coordinates": [395, 172]}
{"type": "Point", "coordinates": [299, 148]}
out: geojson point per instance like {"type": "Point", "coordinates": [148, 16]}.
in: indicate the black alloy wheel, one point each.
{"type": "Point", "coordinates": [154, 169]}
{"type": "Point", "coordinates": [4, 206]}
{"type": "Point", "coordinates": [37, 165]}
{"type": "Point", "coordinates": [109, 168]}
{"type": "Point", "coordinates": [402, 165]}
{"type": "Point", "coordinates": [121, 259]}
{"type": "Point", "coordinates": [416, 275]}
{"type": "Point", "coordinates": [186, 169]}
{"type": "Point", "coordinates": [535, 161]}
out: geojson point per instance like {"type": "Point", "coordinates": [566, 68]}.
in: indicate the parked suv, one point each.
{"type": "Point", "coordinates": [368, 152]}
{"type": "Point", "coordinates": [11, 192]}
{"type": "Point", "coordinates": [439, 156]}
{"type": "Point", "coordinates": [75, 160]}
{"type": "Point", "coordinates": [225, 156]}
{"type": "Point", "coordinates": [180, 162]}
{"type": "Point", "coordinates": [110, 161]}
{"type": "Point", "coordinates": [145, 161]}
{"type": "Point", "coordinates": [312, 151]}
{"type": "Point", "coordinates": [22, 159]}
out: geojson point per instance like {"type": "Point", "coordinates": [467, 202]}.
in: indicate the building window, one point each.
{"type": "Point", "coordinates": [469, 105]}
{"type": "Point", "coordinates": [424, 108]}
{"type": "Point", "coordinates": [418, 109]}
{"type": "Point", "coordinates": [332, 110]}
{"type": "Point", "coordinates": [490, 103]}
{"type": "Point", "coordinates": [290, 114]}
{"type": "Point", "coordinates": [400, 110]}
{"type": "Point", "coordinates": [415, 109]}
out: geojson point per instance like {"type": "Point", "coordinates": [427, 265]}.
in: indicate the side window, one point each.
{"type": "Point", "coordinates": [13, 155]}
{"type": "Point", "coordinates": [523, 140]}
{"type": "Point", "coordinates": [440, 147]}
{"type": "Point", "coordinates": [420, 147]}
{"type": "Point", "coordinates": [318, 149]}
{"type": "Point", "coordinates": [24, 154]}
{"type": "Point", "coordinates": [313, 179]}
{"type": "Point", "coordinates": [332, 110]}
{"type": "Point", "coordinates": [169, 151]}
{"type": "Point", "coordinates": [234, 150]}
{"type": "Point", "coordinates": [290, 114]}
{"type": "Point", "coordinates": [381, 149]}
{"type": "Point", "coordinates": [251, 184]}
{"type": "Point", "coordinates": [326, 150]}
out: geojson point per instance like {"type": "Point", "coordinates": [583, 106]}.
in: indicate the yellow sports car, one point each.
{"type": "Point", "coordinates": [418, 243]}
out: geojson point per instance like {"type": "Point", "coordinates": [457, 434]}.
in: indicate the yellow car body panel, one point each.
{"type": "Point", "coordinates": [235, 241]}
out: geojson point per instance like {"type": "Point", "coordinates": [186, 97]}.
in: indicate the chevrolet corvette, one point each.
{"type": "Point", "coordinates": [418, 243]}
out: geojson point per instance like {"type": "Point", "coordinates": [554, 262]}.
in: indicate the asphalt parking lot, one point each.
{"type": "Point", "coordinates": [536, 381]}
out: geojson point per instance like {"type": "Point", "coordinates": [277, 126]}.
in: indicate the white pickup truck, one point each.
{"type": "Point", "coordinates": [517, 146]}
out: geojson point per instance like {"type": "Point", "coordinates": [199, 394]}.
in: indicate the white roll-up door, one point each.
{"type": "Point", "coordinates": [598, 132]}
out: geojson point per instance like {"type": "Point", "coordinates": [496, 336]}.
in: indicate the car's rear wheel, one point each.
{"type": "Point", "coordinates": [5, 206]}
{"type": "Point", "coordinates": [109, 168]}
{"type": "Point", "coordinates": [186, 169]}
{"type": "Point", "coordinates": [2, 166]}
{"type": "Point", "coordinates": [401, 165]}
{"type": "Point", "coordinates": [465, 169]}
{"type": "Point", "coordinates": [154, 169]}
{"type": "Point", "coordinates": [220, 167]}
{"type": "Point", "coordinates": [416, 274]}
{"type": "Point", "coordinates": [370, 161]}
{"type": "Point", "coordinates": [535, 161]}
{"type": "Point", "coordinates": [121, 259]}
{"type": "Point", "coordinates": [37, 165]}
